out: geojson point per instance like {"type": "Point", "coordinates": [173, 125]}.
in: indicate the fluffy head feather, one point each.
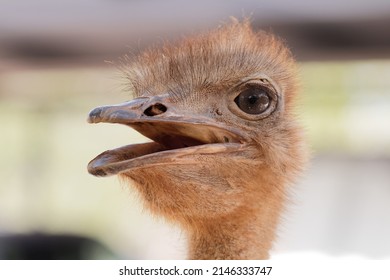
{"type": "Point", "coordinates": [220, 58]}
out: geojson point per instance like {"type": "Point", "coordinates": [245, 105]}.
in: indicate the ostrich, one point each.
{"type": "Point", "coordinates": [226, 144]}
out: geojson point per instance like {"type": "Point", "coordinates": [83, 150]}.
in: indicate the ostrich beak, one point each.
{"type": "Point", "coordinates": [176, 135]}
{"type": "Point", "coordinates": [119, 113]}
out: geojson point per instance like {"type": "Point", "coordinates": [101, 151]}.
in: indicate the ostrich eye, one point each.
{"type": "Point", "coordinates": [253, 101]}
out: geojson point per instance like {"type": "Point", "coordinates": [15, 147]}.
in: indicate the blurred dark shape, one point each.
{"type": "Point", "coordinates": [309, 40]}
{"type": "Point", "coordinates": [40, 246]}
{"type": "Point", "coordinates": [78, 33]}
{"type": "Point", "coordinates": [42, 50]}
{"type": "Point", "coordinates": [341, 40]}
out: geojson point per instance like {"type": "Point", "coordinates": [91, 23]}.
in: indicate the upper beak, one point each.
{"type": "Point", "coordinates": [120, 113]}
{"type": "Point", "coordinates": [145, 110]}
{"type": "Point", "coordinates": [155, 116]}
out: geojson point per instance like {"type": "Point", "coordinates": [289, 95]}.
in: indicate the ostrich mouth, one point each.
{"type": "Point", "coordinates": [175, 140]}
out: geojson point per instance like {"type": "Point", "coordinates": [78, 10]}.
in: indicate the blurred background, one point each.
{"type": "Point", "coordinates": [55, 65]}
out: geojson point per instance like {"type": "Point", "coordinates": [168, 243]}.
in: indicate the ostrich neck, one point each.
{"type": "Point", "coordinates": [248, 235]}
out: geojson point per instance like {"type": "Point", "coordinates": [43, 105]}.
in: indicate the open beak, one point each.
{"type": "Point", "coordinates": [176, 135]}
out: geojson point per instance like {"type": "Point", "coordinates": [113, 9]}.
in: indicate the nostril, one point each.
{"type": "Point", "coordinates": [156, 109]}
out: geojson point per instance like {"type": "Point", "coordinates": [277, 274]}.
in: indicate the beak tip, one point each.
{"type": "Point", "coordinates": [94, 115]}
{"type": "Point", "coordinates": [96, 171]}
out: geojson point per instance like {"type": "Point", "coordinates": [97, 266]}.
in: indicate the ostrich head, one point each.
{"type": "Point", "coordinates": [225, 142]}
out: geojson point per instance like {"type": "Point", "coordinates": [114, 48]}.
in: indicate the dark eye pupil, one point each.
{"type": "Point", "coordinates": [253, 101]}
